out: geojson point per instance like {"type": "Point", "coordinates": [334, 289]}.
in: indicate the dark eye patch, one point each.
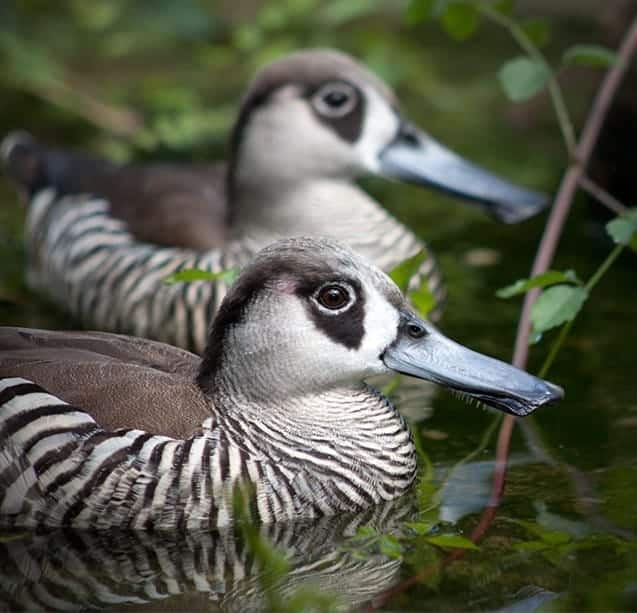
{"type": "Point", "coordinates": [346, 328]}
{"type": "Point", "coordinates": [348, 126]}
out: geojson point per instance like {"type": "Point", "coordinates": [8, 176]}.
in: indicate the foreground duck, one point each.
{"type": "Point", "coordinates": [308, 126]}
{"type": "Point", "coordinates": [279, 390]}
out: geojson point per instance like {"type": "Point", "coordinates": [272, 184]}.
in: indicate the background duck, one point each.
{"type": "Point", "coordinates": [308, 125]}
{"type": "Point", "coordinates": [281, 382]}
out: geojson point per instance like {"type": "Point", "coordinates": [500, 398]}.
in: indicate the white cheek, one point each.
{"type": "Point", "coordinates": [381, 326]}
{"type": "Point", "coordinates": [298, 145]}
{"type": "Point", "coordinates": [379, 129]}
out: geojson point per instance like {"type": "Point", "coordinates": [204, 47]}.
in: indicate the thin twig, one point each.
{"type": "Point", "coordinates": [569, 184]}
{"type": "Point", "coordinates": [601, 195]}
{"type": "Point", "coordinates": [555, 91]}
{"type": "Point", "coordinates": [117, 120]}
{"type": "Point", "coordinates": [482, 445]}
{"type": "Point", "coordinates": [564, 199]}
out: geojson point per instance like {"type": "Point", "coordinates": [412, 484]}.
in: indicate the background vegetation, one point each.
{"type": "Point", "coordinates": [140, 79]}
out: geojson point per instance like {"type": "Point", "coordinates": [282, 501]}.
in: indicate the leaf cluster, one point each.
{"type": "Point", "coordinates": [563, 294]}
{"type": "Point", "coordinates": [521, 77]}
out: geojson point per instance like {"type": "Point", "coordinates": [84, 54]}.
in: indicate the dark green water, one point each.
{"type": "Point", "coordinates": [563, 538]}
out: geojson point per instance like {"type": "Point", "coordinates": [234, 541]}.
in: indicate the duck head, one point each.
{"type": "Point", "coordinates": [319, 114]}
{"type": "Point", "coordinates": [309, 316]}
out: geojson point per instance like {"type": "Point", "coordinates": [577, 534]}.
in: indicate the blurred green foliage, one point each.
{"type": "Point", "coordinates": [136, 79]}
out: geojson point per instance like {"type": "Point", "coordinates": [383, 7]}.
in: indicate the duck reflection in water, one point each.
{"type": "Point", "coordinates": [75, 570]}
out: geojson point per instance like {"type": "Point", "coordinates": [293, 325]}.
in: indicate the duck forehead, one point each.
{"type": "Point", "coordinates": [301, 265]}
{"type": "Point", "coordinates": [310, 69]}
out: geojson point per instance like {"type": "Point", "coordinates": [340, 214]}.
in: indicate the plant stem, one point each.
{"type": "Point", "coordinates": [601, 195]}
{"type": "Point", "coordinates": [606, 264]}
{"type": "Point", "coordinates": [555, 347]}
{"type": "Point", "coordinates": [555, 91]}
{"type": "Point", "coordinates": [107, 117]}
{"type": "Point", "coordinates": [592, 282]}
{"type": "Point", "coordinates": [570, 182]}
{"type": "Point", "coordinates": [484, 441]}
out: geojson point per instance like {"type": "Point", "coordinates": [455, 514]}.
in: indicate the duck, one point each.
{"type": "Point", "coordinates": [88, 420]}
{"type": "Point", "coordinates": [309, 125]}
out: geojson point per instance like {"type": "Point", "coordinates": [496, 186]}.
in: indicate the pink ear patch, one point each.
{"type": "Point", "coordinates": [285, 286]}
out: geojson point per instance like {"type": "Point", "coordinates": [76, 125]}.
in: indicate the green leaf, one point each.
{"type": "Point", "coordinates": [365, 532]}
{"type": "Point", "coordinates": [538, 31]}
{"type": "Point", "coordinates": [554, 537]}
{"type": "Point", "coordinates": [390, 546]}
{"type": "Point", "coordinates": [521, 78]}
{"type": "Point", "coordinates": [196, 274]}
{"type": "Point", "coordinates": [403, 272]}
{"type": "Point", "coordinates": [460, 20]}
{"type": "Point", "coordinates": [623, 229]}
{"type": "Point", "coordinates": [337, 14]}
{"type": "Point", "coordinates": [589, 55]}
{"type": "Point", "coordinates": [548, 535]}
{"type": "Point", "coordinates": [451, 541]}
{"type": "Point", "coordinates": [392, 386]}
{"type": "Point", "coordinates": [419, 11]}
{"type": "Point", "coordinates": [504, 7]}
{"type": "Point", "coordinates": [422, 299]}
{"type": "Point", "coordinates": [556, 305]}
{"type": "Point", "coordinates": [531, 546]}
{"type": "Point", "coordinates": [420, 527]}
{"type": "Point", "coordinates": [550, 277]}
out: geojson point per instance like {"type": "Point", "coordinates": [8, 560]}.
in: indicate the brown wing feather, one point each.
{"type": "Point", "coordinates": [167, 204]}
{"type": "Point", "coordinates": [181, 205]}
{"type": "Point", "coordinates": [120, 381]}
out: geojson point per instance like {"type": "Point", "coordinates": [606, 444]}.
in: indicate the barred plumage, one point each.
{"type": "Point", "coordinates": [280, 390]}
{"type": "Point", "coordinates": [88, 263]}
{"type": "Point", "coordinates": [60, 468]}
{"type": "Point", "coordinates": [295, 153]}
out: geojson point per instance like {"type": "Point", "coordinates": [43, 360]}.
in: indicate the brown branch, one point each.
{"type": "Point", "coordinates": [570, 182]}
{"type": "Point", "coordinates": [566, 193]}
{"type": "Point", "coordinates": [601, 195]}
{"type": "Point", "coordinates": [564, 199]}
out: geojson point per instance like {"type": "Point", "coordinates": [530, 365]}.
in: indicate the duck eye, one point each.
{"type": "Point", "coordinates": [335, 99]}
{"type": "Point", "coordinates": [333, 297]}
{"type": "Point", "coordinates": [415, 330]}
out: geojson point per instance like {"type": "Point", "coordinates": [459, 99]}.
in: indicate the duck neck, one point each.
{"type": "Point", "coordinates": [333, 207]}
{"type": "Point", "coordinates": [351, 433]}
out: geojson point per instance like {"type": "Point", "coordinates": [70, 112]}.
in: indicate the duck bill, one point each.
{"type": "Point", "coordinates": [415, 157]}
{"type": "Point", "coordinates": [436, 358]}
